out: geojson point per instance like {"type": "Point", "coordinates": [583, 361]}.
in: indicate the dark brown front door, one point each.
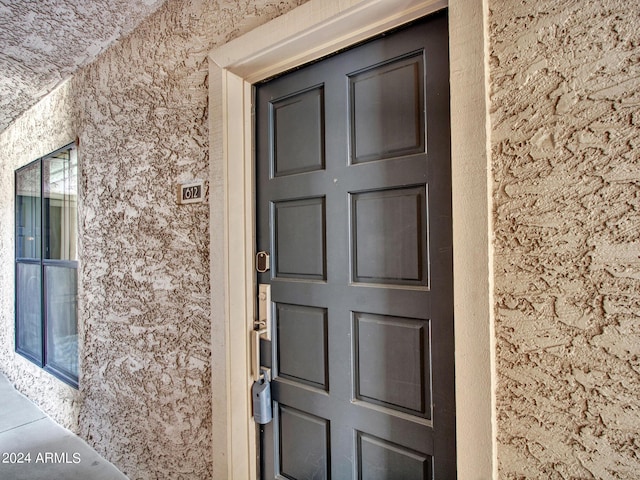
{"type": "Point", "coordinates": [354, 206]}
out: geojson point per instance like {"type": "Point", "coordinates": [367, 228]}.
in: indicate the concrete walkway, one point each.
{"type": "Point", "coordinates": [33, 447]}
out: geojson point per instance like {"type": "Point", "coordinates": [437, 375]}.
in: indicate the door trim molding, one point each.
{"type": "Point", "coordinates": [311, 31]}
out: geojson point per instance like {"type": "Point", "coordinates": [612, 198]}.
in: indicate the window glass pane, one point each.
{"type": "Point", "coordinates": [28, 312]}
{"type": "Point", "coordinates": [60, 174]}
{"type": "Point", "coordinates": [61, 318]}
{"type": "Point", "coordinates": [28, 225]}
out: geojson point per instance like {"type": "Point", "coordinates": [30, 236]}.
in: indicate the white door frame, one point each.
{"type": "Point", "coordinates": [309, 32]}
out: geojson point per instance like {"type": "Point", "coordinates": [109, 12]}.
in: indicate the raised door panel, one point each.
{"type": "Point", "coordinates": [387, 109]}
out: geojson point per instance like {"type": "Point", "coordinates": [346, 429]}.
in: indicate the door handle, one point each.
{"type": "Point", "coordinates": [255, 353]}
{"type": "Point", "coordinates": [261, 328]}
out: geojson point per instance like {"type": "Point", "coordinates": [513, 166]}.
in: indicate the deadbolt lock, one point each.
{"type": "Point", "coordinates": [262, 262]}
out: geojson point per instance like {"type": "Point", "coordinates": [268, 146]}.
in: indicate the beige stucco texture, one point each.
{"type": "Point", "coordinates": [32, 35]}
{"type": "Point", "coordinates": [565, 139]}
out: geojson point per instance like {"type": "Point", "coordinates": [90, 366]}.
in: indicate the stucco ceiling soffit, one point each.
{"type": "Point", "coordinates": [44, 42]}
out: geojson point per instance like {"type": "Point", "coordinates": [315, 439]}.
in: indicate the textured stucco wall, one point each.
{"type": "Point", "coordinates": [565, 113]}
{"type": "Point", "coordinates": [140, 114]}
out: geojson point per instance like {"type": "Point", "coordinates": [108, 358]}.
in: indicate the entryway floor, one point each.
{"type": "Point", "coordinates": [33, 447]}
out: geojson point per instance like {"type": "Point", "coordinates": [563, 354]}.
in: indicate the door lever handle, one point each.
{"type": "Point", "coordinates": [255, 353]}
{"type": "Point", "coordinates": [261, 328]}
{"type": "Point", "coordinates": [264, 310]}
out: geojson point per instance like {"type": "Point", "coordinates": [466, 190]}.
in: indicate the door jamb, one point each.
{"type": "Point", "coordinates": [309, 32]}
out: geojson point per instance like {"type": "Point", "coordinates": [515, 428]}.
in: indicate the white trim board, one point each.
{"type": "Point", "coordinates": [311, 31]}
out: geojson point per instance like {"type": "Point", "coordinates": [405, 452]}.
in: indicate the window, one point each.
{"type": "Point", "coordinates": [47, 263]}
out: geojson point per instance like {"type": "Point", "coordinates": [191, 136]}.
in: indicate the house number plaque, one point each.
{"type": "Point", "coordinates": [192, 192]}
